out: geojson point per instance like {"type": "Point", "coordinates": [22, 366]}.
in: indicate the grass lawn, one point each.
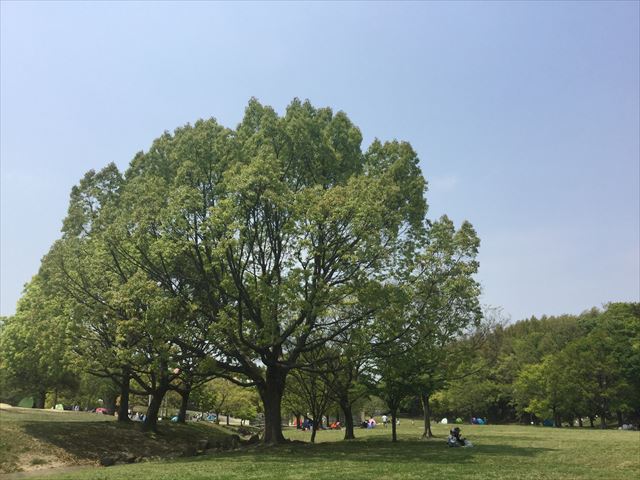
{"type": "Point", "coordinates": [500, 452]}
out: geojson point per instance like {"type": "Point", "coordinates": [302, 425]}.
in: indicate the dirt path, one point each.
{"type": "Point", "coordinates": [42, 472]}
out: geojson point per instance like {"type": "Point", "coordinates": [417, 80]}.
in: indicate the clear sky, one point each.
{"type": "Point", "coordinates": [526, 117]}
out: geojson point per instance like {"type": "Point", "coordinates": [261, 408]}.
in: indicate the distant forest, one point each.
{"type": "Point", "coordinates": [566, 370]}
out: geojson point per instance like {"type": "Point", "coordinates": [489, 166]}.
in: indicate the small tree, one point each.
{"type": "Point", "coordinates": [309, 387]}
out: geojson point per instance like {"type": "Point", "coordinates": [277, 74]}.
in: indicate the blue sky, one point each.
{"type": "Point", "coordinates": [526, 117]}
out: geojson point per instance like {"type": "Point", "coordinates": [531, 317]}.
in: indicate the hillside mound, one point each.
{"type": "Point", "coordinates": [32, 439]}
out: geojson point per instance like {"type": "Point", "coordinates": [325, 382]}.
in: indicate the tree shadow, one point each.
{"type": "Point", "coordinates": [376, 451]}
{"type": "Point", "coordinates": [91, 440]}
{"type": "Point", "coordinates": [510, 450]}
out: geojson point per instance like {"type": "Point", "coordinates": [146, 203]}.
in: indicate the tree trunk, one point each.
{"type": "Point", "coordinates": [110, 402]}
{"type": "Point", "coordinates": [603, 421]}
{"type": "Point", "coordinates": [271, 394]}
{"type": "Point", "coordinates": [151, 418]}
{"type": "Point", "coordinates": [184, 403]}
{"type": "Point", "coordinates": [394, 437]}
{"type": "Point", "coordinates": [426, 409]}
{"type": "Point", "coordinates": [620, 419]}
{"type": "Point", "coordinates": [228, 420]}
{"type": "Point", "coordinates": [603, 417]}
{"type": "Point", "coordinates": [217, 418]}
{"type": "Point", "coordinates": [579, 421]}
{"type": "Point", "coordinates": [556, 419]}
{"type": "Point", "coordinates": [314, 430]}
{"type": "Point", "coordinates": [298, 422]}
{"type": "Point", "coordinates": [591, 421]}
{"type": "Point", "coordinates": [40, 399]}
{"type": "Point", "coordinates": [348, 420]}
{"type": "Point", "coordinates": [123, 409]}
{"type": "Point", "coordinates": [157, 395]}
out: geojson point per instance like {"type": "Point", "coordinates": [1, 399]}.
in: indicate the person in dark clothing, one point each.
{"type": "Point", "coordinates": [306, 425]}
{"type": "Point", "coordinates": [455, 439]}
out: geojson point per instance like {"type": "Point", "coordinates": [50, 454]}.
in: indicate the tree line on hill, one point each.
{"type": "Point", "coordinates": [272, 254]}
{"type": "Point", "coordinates": [561, 369]}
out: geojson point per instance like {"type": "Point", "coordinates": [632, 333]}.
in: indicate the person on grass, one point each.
{"type": "Point", "coordinates": [456, 440]}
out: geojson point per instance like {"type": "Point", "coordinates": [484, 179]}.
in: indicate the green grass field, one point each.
{"type": "Point", "coordinates": [500, 452]}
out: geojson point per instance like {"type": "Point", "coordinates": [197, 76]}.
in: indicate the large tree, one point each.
{"type": "Point", "coordinates": [263, 231]}
{"type": "Point", "coordinates": [249, 247]}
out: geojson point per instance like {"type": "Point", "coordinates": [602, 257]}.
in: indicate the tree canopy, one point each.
{"type": "Point", "coordinates": [249, 253]}
{"type": "Point", "coordinates": [281, 254]}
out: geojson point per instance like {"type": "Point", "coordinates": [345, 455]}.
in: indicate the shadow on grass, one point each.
{"type": "Point", "coordinates": [508, 450]}
{"type": "Point", "coordinates": [371, 452]}
{"type": "Point", "coordinates": [91, 440]}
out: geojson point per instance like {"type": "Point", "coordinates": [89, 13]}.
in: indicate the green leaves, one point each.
{"type": "Point", "coordinates": [255, 246]}
{"type": "Point", "coordinates": [35, 344]}
{"type": "Point", "coordinates": [562, 367]}
{"type": "Point", "coordinates": [94, 192]}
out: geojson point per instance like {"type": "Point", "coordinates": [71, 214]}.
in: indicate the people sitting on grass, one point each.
{"type": "Point", "coordinates": [371, 423]}
{"type": "Point", "coordinates": [307, 424]}
{"type": "Point", "coordinates": [456, 440]}
{"type": "Point", "coordinates": [335, 426]}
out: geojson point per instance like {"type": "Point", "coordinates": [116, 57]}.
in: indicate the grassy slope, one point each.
{"type": "Point", "coordinates": [41, 438]}
{"type": "Point", "coordinates": [500, 452]}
